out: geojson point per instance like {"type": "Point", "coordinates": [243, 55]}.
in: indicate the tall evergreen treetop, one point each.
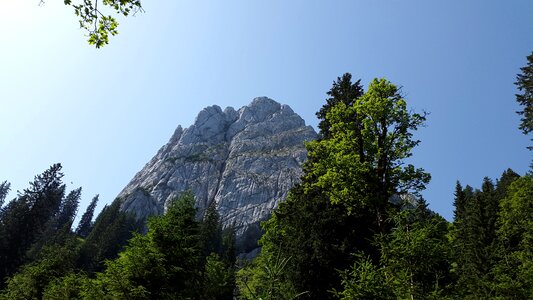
{"type": "Point", "coordinates": [68, 209]}
{"type": "Point", "coordinates": [86, 222]}
{"type": "Point", "coordinates": [344, 91]}
{"type": "Point", "coordinates": [5, 187]}
{"type": "Point", "coordinates": [524, 82]}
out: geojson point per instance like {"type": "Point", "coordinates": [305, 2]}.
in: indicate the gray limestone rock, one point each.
{"type": "Point", "coordinates": [245, 161]}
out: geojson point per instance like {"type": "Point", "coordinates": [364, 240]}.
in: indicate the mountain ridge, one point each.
{"type": "Point", "coordinates": [244, 160]}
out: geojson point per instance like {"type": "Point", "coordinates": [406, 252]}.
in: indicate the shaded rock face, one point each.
{"type": "Point", "coordinates": [244, 161]}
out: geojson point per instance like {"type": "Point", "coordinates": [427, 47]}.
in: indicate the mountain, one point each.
{"type": "Point", "coordinates": [244, 161]}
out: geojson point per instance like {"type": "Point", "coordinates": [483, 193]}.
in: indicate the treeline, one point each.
{"type": "Point", "coordinates": [43, 257]}
{"type": "Point", "coordinates": [355, 227]}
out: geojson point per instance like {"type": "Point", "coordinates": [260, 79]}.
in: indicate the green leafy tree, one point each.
{"type": "Point", "coordinates": [364, 173]}
{"type": "Point", "coordinates": [97, 17]}
{"type": "Point", "coordinates": [30, 282]}
{"type": "Point", "coordinates": [349, 177]}
{"type": "Point", "coordinates": [413, 264]}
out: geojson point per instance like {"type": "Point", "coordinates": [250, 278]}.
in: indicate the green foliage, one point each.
{"type": "Point", "coordinates": [95, 20]}
{"type": "Point", "coordinates": [5, 187]}
{"type": "Point", "coordinates": [32, 279]}
{"type": "Point", "coordinates": [514, 272]}
{"type": "Point", "coordinates": [163, 264]}
{"type": "Point", "coordinates": [86, 222]}
{"type": "Point", "coordinates": [72, 286]}
{"type": "Point", "coordinates": [266, 278]}
{"type": "Point", "coordinates": [475, 236]}
{"type": "Point", "coordinates": [350, 174]}
{"type": "Point", "coordinates": [211, 231]}
{"type": "Point", "coordinates": [112, 229]}
{"type": "Point", "coordinates": [362, 164]}
{"type": "Point", "coordinates": [524, 82]}
{"type": "Point", "coordinates": [343, 90]}
{"type": "Point", "coordinates": [413, 262]}
{"type": "Point", "coordinates": [219, 280]}
{"type": "Point", "coordinates": [364, 280]}
{"type": "Point", "coordinates": [318, 236]}
{"type": "Point", "coordinates": [24, 219]}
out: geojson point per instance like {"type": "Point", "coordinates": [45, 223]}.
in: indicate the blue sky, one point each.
{"type": "Point", "coordinates": [104, 113]}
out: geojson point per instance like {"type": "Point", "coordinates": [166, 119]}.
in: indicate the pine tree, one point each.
{"type": "Point", "coordinates": [86, 222]}
{"type": "Point", "coordinates": [5, 187]}
{"type": "Point", "coordinates": [514, 272]}
{"type": "Point", "coordinates": [211, 231]}
{"type": "Point", "coordinates": [26, 217]}
{"type": "Point", "coordinates": [344, 91]}
{"type": "Point", "coordinates": [524, 82]}
{"type": "Point", "coordinates": [68, 209]}
{"type": "Point", "coordinates": [163, 264]}
{"type": "Point", "coordinates": [111, 231]}
{"type": "Point", "coordinates": [477, 249]}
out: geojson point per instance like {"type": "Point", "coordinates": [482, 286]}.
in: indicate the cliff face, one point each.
{"type": "Point", "coordinates": [245, 161]}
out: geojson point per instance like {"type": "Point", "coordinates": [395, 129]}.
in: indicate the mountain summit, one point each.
{"type": "Point", "coordinates": [243, 161]}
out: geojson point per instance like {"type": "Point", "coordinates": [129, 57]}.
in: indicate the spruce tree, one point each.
{"type": "Point", "coordinates": [86, 222]}
{"type": "Point", "coordinates": [343, 90]}
{"type": "Point", "coordinates": [68, 209]}
{"type": "Point", "coordinates": [477, 247]}
{"type": "Point", "coordinates": [111, 231]}
{"type": "Point", "coordinates": [514, 272]}
{"type": "Point", "coordinates": [524, 82]}
{"type": "Point", "coordinates": [26, 217]}
{"type": "Point", "coordinates": [211, 231]}
{"type": "Point", "coordinates": [5, 187]}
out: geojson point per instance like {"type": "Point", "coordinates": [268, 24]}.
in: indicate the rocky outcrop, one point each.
{"type": "Point", "coordinates": [244, 161]}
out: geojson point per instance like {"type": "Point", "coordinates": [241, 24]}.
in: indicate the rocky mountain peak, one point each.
{"type": "Point", "coordinates": [244, 161]}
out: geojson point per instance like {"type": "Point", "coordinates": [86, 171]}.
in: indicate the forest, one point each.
{"type": "Point", "coordinates": [355, 227]}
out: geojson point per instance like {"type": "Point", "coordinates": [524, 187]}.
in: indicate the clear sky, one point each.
{"type": "Point", "coordinates": [104, 113]}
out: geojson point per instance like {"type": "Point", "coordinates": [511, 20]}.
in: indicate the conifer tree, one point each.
{"type": "Point", "coordinates": [26, 217]}
{"type": "Point", "coordinates": [111, 231]}
{"type": "Point", "coordinates": [68, 209]}
{"type": "Point", "coordinates": [5, 187]}
{"type": "Point", "coordinates": [343, 200]}
{"type": "Point", "coordinates": [344, 91]}
{"type": "Point", "coordinates": [86, 222]}
{"type": "Point", "coordinates": [524, 82]}
{"type": "Point", "coordinates": [211, 231]}
{"type": "Point", "coordinates": [477, 249]}
{"type": "Point", "coordinates": [514, 272]}
{"type": "Point", "coordinates": [163, 264]}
